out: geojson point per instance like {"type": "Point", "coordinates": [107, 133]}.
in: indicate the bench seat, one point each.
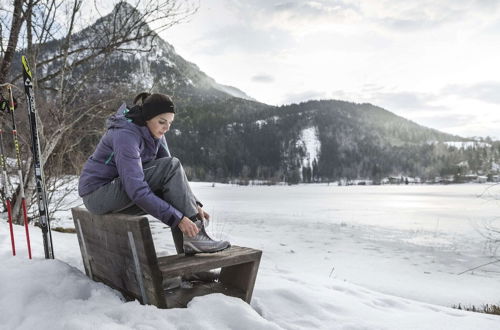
{"type": "Point", "coordinates": [118, 250]}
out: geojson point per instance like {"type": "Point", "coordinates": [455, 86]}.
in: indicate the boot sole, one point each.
{"type": "Point", "coordinates": [192, 253]}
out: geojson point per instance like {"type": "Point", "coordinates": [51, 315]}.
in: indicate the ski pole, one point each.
{"type": "Point", "coordinates": [37, 162]}
{"type": "Point", "coordinates": [6, 190]}
{"type": "Point", "coordinates": [12, 107]}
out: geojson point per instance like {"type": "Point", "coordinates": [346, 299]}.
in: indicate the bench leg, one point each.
{"type": "Point", "coordinates": [241, 276]}
{"type": "Point", "coordinates": [83, 249]}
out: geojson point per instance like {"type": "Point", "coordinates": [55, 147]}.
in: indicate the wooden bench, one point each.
{"type": "Point", "coordinates": [118, 250]}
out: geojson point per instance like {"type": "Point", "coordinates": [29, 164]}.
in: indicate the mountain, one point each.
{"type": "Point", "coordinates": [221, 133]}
{"type": "Point", "coordinates": [147, 64]}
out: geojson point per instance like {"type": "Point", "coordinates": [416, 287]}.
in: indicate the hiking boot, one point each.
{"type": "Point", "coordinates": [202, 243]}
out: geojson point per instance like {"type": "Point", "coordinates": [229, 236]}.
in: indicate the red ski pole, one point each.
{"type": "Point", "coordinates": [26, 227]}
{"type": "Point", "coordinates": [6, 191]}
{"type": "Point", "coordinates": [12, 107]}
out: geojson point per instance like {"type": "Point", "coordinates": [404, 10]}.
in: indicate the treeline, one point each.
{"type": "Point", "coordinates": [240, 139]}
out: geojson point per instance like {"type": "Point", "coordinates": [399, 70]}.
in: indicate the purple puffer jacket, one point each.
{"type": "Point", "coordinates": [120, 153]}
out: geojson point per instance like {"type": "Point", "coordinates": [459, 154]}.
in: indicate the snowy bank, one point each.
{"type": "Point", "coordinates": [55, 294]}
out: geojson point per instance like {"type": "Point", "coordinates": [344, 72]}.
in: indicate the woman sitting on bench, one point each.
{"type": "Point", "coordinates": [131, 171]}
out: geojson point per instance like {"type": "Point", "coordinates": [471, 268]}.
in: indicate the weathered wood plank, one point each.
{"type": "Point", "coordinates": [116, 243]}
{"type": "Point", "coordinates": [241, 276]}
{"type": "Point", "coordinates": [171, 266]}
{"type": "Point", "coordinates": [104, 233]}
{"type": "Point", "coordinates": [83, 247]}
{"type": "Point", "coordinates": [111, 257]}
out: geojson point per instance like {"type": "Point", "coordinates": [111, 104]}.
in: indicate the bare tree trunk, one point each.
{"type": "Point", "coordinates": [28, 181]}
{"type": "Point", "coordinates": [29, 32]}
{"type": "Point", "coordinates": [16, 198]}
{"type": "Point", "coordinates": [17, 22]}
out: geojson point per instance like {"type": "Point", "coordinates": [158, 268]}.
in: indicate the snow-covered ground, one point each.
{"type": "Point", "coordinates": [355, 257]}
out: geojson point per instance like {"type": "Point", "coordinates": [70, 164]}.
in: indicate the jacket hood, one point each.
{"type": "Point", "coordinates": [118, 120]}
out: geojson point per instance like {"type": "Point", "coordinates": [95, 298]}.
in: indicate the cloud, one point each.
{"type": "Point", "coordinates": [464, 125]}
{"type": "Point", "coordinates": [412, 16]}
{"type": "Point", "coordinates": [405, 25]}
{"type": "Point", "coordinates": [395, 15]}
{"type": "Point", "coordinates": [449, 110]}
{"type": "Point", "coordinates": [313, 10]}
{"type": "Point", "coordinates": [310, 17]}
{"type": "Point", "coordinates": [395, 101]}
{"type": "Point", "coordinates": [405, 100]}
{"type": "Point", "coordinates": [298, 16]}
{"type": "Point", "coordinates": [488, 91]}
{"type": "Point", "coordinates": [445, 121]}
{"type": "Point", "coordinates": [297, 97]}
{"type": "Point", "coordinates": [405, 16]}
{"type": "Point", "coordinates": [263, 78]}
{"type": "Point", "coordinates": [241, 38]}
{"type": "Point", "coordinates": [398, 101]}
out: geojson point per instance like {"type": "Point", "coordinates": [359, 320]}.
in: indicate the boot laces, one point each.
{"type": "Point", "coordinates": [202, 235]}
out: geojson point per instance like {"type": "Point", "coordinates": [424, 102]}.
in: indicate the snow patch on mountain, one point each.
{"type": "Point", "coordinates": [261, 123]}
{"type": "Point", "coordinates": [310, 143]}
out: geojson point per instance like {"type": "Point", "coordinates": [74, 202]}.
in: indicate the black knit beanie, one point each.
{"type": "Point", "coordinates": [150, 105]}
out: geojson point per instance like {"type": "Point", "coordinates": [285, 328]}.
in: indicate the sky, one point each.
{"type": "Point", "coordinates": [431, 61]}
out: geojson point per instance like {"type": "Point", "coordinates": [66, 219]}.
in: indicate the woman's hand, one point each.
{"type": "Point", "coordinates": [202, 215]}
{"type": "Point", "coordinates": [188, 227]}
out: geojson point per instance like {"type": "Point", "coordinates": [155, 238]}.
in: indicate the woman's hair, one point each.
{"type": "Point", "coordinates": [145, 98]}
{"type": "Point", "coordinates": [139, 99]}
{"type": "Point", "coordinates": [149, 105]}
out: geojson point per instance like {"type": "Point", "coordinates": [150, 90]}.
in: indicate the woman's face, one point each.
{"type": "Point", "coordinates": [160, 124]}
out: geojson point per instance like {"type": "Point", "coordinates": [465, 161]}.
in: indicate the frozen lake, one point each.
{"type": "Point", "coordinates": [411, 241]}
{"type": "Point", "coordinates": [436, 208]}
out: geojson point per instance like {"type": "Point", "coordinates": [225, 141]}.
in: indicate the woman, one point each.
{"type": "Point", "coordinates": [131, 171]}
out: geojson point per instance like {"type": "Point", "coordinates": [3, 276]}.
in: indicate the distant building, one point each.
{"type": "Point", "coordinates": [481, 179]}
{"type": "Point", "coordinates": [470, 178]}
{"type": "Point", "coordinates": [448, 179]}
{"type": "Point", "coordinates": [363, 182]}
{"type": "Point", "coordinates": [394, 180]}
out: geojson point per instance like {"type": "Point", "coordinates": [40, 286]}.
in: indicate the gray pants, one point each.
{"type": "Point", "coordinates": [167, 180]}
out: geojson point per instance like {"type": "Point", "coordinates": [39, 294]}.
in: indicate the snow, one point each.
{"type": "Point", "coordinates": [495, 167]}
{"type": "Point", "coordinates": [355, 257]}
{"type": "Point", "coordinates": [260, 123]}
{"type": "Point", "coordinates": [467, 144]}
{"type": "Point", "coordinates": [309, 140]}
{"type": "Point", "coordinates": [263, 122]}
